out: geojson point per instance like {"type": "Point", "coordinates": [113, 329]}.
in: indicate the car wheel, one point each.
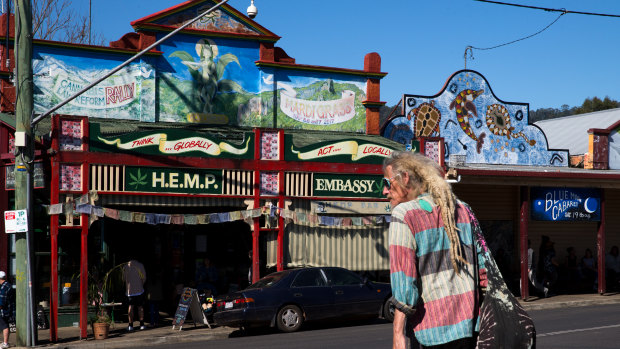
{"type": "Point", "coordinates": [289, 318]}
{"type": "Point", "coordinates": [388, 310]}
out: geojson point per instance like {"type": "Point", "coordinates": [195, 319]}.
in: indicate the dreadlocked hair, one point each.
{"type": "Point", "coordinates": [426, 176]}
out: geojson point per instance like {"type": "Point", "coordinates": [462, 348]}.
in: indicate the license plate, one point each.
{"type": "Point", "coordinates": [228, 305]}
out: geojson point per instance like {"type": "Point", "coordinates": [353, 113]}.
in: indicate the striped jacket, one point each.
{"type": "Point", "coordinates": [446, 304]}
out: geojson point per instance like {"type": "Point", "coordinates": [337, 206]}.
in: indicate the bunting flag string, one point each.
{"type": "Point", "coordinates": [82, 205]}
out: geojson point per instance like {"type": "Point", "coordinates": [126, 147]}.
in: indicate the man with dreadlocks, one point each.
{"type": "Point", "coordinates": [435, 269]}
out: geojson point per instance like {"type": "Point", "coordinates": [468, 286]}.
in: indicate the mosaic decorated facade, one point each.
{"type": "Point", "coordinates": [474, 123]}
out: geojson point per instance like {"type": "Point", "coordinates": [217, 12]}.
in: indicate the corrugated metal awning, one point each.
{"type": "Point", "coordinates": [354, 248]}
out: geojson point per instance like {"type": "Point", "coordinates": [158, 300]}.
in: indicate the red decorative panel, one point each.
{"type": "Point", "coordinates": [270, 146]}
{"type": "Point", "coordinates": [269, 183]}
{"type": "Point", "coordinates": [432, 147]}
{"type": "Point", "coordinates": [71, 135]}
{"type": "Point", "coordinates": [70, 177]}
{"type": "Point", "coordinates": [11, 144]}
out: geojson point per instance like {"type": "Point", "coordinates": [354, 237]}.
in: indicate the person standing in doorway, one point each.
{"type": "Point", "coordinates": [433, 256]}
{"type": "Point", "coordinates": [134, 276]}
{"type": "Point", "coordinates": [155, 295]}
{"type": "Point", "coordinates": [7, 305]}
{"type": "Point", "coordinates": [612, 268]}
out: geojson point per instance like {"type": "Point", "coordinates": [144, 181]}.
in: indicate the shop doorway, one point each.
{"type": "Point", "coordinates": [213, 256]}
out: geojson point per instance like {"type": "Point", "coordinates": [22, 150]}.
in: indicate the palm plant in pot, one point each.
{"type": "Point", "coordinates": [99, 289]}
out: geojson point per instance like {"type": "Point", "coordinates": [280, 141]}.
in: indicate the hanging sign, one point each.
{"type": "Point", "coordinates": [172, 142]}
{"type": "Point", "coordinates": [15, 221]}
{"type": "Point", "coordinates": [346, 151]}
{"type": "Point", "coordinates": [173, 180]}
{"type": "Point", "coordinates": [565, 204]}
{"type": "Point", "coordinates": [358, 186]}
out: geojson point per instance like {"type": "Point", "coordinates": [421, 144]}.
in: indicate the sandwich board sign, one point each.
{"type": "Point", "coordinates": [15, 221]}
{"type": "Point", "coordinates": [189, 302]}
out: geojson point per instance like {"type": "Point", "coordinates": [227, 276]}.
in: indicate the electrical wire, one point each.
{"type": "Point", "coordinates": [471, 48]}
{"type": "Point", "coordinates": [562, 11]}
{"type": "Point", "coordinates": [550, 9]}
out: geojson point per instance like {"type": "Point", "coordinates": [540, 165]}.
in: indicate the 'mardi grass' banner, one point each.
{"type": "Point", "coordinates": [171, 142]}
{"type": "Point", "coordinates": [345, 151]}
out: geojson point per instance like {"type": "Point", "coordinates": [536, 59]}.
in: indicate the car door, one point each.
{"type": "Point", "coordinates": [352, 297]}
{"type": "Point", "coordinates": [310, 290]}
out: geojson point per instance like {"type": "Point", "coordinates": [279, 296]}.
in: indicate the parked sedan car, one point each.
{"type": "Point", "coordinates": [289, 298]}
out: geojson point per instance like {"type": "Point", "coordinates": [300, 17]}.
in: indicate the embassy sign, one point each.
{"type": "Point", "coordinates": [358, 186]}
{"type": "Point", "coordinates": [167, 180]}
{"type": "Point", "coordinates": [565, 204]}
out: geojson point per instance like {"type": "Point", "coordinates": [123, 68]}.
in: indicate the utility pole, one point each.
{"type": "Point", "coordinates": [24, 164]}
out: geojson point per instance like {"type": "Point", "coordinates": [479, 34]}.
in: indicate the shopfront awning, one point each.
{"type": "Point", "coordinates": [169, 201]}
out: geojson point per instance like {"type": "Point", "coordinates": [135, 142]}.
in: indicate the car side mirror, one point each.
{"type": "Point", "coordinates": [364, 281]}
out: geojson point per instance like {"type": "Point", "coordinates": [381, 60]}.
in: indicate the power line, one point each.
{"type": "Point", "coordinates": [562, 12]}
{"type": "Point", "coordinates": [550, 9]}
{"type": "Point", "coordinates": [471, 48]}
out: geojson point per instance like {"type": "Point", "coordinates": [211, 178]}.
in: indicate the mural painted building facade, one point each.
{"type": "Point", "coordinates": [213, 145]}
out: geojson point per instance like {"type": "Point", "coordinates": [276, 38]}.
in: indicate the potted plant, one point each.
{"type": "Point", "coordinates": [98, 290]}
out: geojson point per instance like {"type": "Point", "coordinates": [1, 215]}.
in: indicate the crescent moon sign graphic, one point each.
{"type": "Point", "coordinates": [590, 205]}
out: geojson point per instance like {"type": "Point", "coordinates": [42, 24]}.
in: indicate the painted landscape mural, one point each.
{"type": "Point", "coordinates": [475, 123]}
{"type": "Point", "coordinates": [308, 101]}
{"type": "Point", "coordinates": [216, 81]}
{"type": "Point", "coordinates": [204, 79]}
{"type": "Point", "coordinates": [127, 94]}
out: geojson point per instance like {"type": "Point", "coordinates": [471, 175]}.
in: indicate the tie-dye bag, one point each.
{"type": "Point", "coordinates": [503, 321]}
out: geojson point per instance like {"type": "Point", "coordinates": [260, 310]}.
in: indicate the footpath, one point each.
{"type": "Point", "coordinates": [68, 337]}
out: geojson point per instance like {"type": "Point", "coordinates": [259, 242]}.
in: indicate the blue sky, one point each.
{"type": "Point", "coordinates": [422, 42]}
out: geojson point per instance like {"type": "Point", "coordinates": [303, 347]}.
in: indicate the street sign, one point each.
{"type": "Point", "coordinates": [15, 221]}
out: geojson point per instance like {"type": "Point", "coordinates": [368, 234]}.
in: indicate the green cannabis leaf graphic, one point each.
{"type": "Point", "coordinates": [137, 181]}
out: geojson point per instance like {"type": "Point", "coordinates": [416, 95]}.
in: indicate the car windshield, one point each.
{"type": "Point", "coordinates": [268, 280]}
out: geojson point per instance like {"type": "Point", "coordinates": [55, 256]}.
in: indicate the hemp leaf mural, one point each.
{"type": "Point", "coordinates": [138, 180]}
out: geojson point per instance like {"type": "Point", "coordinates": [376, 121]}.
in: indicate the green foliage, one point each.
{"type": "Point", "coordinates": [223, 62]}
{"type": "Point", "coordinates": [589, 105]}
{"type": "Point", "coordinates": [596, 104]}
{"type": "Point", "coordinates": [99, 289]}
{"type": "Point", "coordinates": [207, 75]}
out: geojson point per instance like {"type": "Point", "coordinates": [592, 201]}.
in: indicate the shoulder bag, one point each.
{"type": "Point", "coordinates": [503, 321]}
